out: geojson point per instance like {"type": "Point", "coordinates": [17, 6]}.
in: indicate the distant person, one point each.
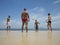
{"type": "Point", "coordinates": [8, 22]}
{"type": "Point", "coordinates": [25, 19]}
{"type": "Point", "coordinates": [36, 24]}
{"type": "Point", "coordinates": [49, 21]}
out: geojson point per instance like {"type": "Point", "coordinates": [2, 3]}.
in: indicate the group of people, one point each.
{"type": "Point", "coordinates": [25, 19]}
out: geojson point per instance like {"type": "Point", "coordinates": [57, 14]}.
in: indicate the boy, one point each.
{"type": "Point", "coordinates": [36, 24]}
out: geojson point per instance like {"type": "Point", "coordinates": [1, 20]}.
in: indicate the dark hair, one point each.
{"type": "Point", "coordinates": [48, 13]}
{"type": "Point", "coordinates": [25, 9]}
{"type": "Point", "coordinates": [9, 16]}
{"type": "Point", "coordinates": [35, 20]}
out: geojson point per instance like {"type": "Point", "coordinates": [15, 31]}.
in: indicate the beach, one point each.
{"type": "Point", "coordinates": [29, 38]}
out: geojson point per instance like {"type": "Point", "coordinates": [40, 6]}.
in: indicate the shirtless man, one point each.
{"type": "Point", "coordinates": [8, 22]}
{"type": "Point", "coordinates": [25, 19]}
{"type": "Point", "coordinates": [36, 24]}
{"type": "Point", "coordinates": [49, 21]}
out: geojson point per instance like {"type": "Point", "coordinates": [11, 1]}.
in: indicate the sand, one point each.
{"type": "Point", "coordinates": [30, 38]}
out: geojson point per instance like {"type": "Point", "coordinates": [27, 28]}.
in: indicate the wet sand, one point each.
{"type": "Point", "coordinates": [30, 38]}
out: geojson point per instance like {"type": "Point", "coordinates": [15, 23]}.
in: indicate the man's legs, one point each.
{"type": "Point", "coordinates": [22, 26]}
{"type": "Point", "coordinates": [50, 27]}
{"type": "Point", "coordinates": [26, 26]}
{"type": "Point", "coordinates": [7, 27]}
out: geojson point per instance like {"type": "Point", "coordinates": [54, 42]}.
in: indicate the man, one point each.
{"type": "Point", "coordinates": [8, 22]}
{"type": "Point", "coordinates": [25, 19]}
{"type": "Point", "coordinates": [36, 24]}
{"type": "Point", "coordinates": [49, 21]}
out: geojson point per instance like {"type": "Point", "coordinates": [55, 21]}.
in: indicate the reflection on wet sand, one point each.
{"type": "Point", "coordinates": [25, 39]}
{"type": "Point", "coordinates": [30, 38]}
{"type": "Point", "coordinates": [49, 37]}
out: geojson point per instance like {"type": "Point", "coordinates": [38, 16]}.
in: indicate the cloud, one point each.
{"type": "Point", "coordinates": [15, 23]}
{"type": "Point", "coordinates": [56, 21]}
{"type": "Point", "coordinates": [37, 10]}
{"type": "Point", "coordinates": [39, 14]}
{"type": "Point", "coordinates": [57, 1]}
{"type": "Point", "coordinates": [56, 18]}
{"type": "Point", "coordinates": [35, 13]}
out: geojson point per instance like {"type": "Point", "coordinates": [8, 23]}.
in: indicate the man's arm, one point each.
{"type": "Point", "coordinates": [7, 21]}
{"type": "Point", "coordinates": [50, 17]}
{"type": "Point", "coordinates": [28, 17]}
{"type": "Point", "coordinates": [21, 15]}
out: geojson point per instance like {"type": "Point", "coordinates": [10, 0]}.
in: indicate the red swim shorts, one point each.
{"type": "Point", "coordinates": [24, 19]}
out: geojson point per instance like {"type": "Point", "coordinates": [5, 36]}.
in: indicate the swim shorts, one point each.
{"type": "Point", "coordinates": [24, 19]}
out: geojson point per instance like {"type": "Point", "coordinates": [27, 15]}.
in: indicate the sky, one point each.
{"type": "Point", "coordinates": [37, 9]}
